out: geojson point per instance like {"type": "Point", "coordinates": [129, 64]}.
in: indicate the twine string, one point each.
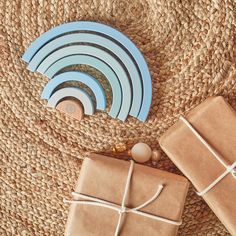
{"type": "Point", "coordinates": [122, 209]}
{"type": "Point", "coordinates": [228, 168]}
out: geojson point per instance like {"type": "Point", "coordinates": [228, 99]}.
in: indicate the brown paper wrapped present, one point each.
{"type": "Point", "coordinates": [203, 147]}
{"type": "Point", "coordinates": [99, 205]}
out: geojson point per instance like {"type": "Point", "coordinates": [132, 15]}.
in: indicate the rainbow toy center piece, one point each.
{"type": "Point", "coordinates": [103, 48]}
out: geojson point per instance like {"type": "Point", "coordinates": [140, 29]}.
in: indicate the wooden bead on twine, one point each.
{"type": "Point", "coordinates": [120, 147]}
{"type": "Point", "coordinates": [156, 155]}
{"type": "Point", "coordinates": [141, 152]}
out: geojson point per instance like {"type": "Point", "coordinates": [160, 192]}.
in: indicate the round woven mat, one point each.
{"type": "Point", "coordinates": [189, 47]}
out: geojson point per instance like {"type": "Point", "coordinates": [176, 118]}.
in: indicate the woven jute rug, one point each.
{"type": "Point", "coordinates": [190, 49]}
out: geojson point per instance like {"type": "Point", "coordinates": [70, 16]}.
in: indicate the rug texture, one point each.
{"type": "Point", "coordinates": [190, 50]}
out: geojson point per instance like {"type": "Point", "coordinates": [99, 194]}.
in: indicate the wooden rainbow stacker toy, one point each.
{"type": "Point", "coordinates": [103, 48]}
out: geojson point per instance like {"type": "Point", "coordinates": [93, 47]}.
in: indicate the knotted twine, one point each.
{"type": "Point", "coordinates": [122, 209]}
{"type": "Point", "coordinates": [229, 168]}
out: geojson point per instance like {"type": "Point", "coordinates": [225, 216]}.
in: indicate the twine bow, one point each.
{"type": "Point", "coordinates": [122, 209]}
{"type": "Point", "coordinates": [229, 169]}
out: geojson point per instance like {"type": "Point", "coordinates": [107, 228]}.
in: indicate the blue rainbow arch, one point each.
{"type": "Point", "coordinates": [140, 67]}
{"type": "Point", "coordinates": [82, 77]}
{"type": "Point", "coordinates": [124, 59]}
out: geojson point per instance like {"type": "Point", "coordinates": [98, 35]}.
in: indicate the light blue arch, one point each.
{"type": "Point", "coordinates": [99, 65]}
{"type": "Point", "coordinates": [116, 49]}
{"type": "Point", "coordinates": [101, 55]}
{"type": "Point", "coordinates": [77, 93]}
{"type": "Point", "coordinates": [82, 77]}
{"type": "Point", "coordinates": [108, 31]}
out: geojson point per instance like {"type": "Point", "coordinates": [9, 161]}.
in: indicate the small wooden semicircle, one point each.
{"type": "Point", "coordinates": [71, 107]}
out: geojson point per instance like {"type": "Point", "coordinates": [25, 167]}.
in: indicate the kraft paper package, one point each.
{"type": "Point", "coordinates": [104, 178]}
{"type": "Point", "coordinates": [203, 146]}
